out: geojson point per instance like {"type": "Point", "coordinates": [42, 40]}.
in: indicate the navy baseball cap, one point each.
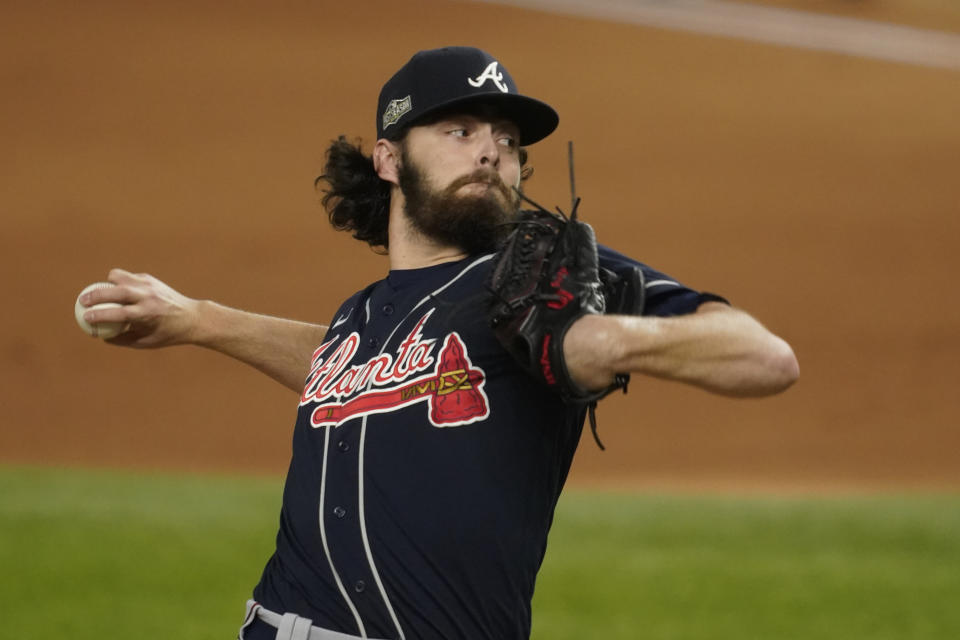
{"type": "Point", "coordinates": [439, 79]}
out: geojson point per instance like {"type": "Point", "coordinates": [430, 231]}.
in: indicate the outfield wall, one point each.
{"type": "Point", "coordinates": [815, 189]}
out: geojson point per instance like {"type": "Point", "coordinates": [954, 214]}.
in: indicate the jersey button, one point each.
{"type": "Point", "coordinates": [373, 343]}
{"type": "Point", "coordinates": [343, 445]}
{"type": "Point", "coordinates": [387, 309]}
{"type": "Point", "coordinates": [339, 512]}
{"type": "Point", "coordinates": [359, 586]}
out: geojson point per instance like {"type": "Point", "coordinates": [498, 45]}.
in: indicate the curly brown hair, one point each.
{"type": "Point", "coordinates": [356, 198]}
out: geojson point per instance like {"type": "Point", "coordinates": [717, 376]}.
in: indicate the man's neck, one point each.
{"type": "Point", "coordinates": [410, 249]}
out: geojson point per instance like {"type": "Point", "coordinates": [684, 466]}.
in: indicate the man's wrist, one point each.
{"type": "Point", "coordinates": [205, 318]}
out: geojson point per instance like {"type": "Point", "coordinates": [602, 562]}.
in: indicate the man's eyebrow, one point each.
{"type": "Point", "coordinates": [504, 123]}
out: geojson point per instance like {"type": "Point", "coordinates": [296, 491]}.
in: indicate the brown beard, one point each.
{"type": "Point", "coordinates": [473, 223]}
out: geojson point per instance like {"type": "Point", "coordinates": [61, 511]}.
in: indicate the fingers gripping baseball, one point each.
{"type": "Point", "coordinates": [157, 314]}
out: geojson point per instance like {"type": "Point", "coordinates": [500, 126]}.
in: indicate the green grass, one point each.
{"type": "Point", "coordinates": [114, 555]}
{"type": "Point", "coordinates": [89, 554]}
{"type": "Point", "coordinates": [682, 567]}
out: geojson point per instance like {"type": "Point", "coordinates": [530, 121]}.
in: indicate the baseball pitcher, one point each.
{"type": "Point", "coordinates": [440, 407]}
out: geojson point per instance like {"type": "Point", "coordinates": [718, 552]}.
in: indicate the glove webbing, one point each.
{"type": "Point", "coordinates": [527, 247]}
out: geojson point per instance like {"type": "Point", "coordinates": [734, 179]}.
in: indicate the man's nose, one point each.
{"type": "Point", "coordinates": [488, 155]}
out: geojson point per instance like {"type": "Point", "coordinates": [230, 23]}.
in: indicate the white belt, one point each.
{"type": "Point", "coordinates": [290, 626]}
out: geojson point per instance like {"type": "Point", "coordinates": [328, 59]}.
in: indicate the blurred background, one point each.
{"type": "Point", "coordinates": [816, 189]}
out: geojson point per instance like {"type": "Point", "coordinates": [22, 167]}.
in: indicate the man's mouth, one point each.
{"type": "Point", "coordinates": [485, 180]}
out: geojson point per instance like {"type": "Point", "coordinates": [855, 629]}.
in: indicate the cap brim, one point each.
{"type": "Point", "coordinates": [535, 119]}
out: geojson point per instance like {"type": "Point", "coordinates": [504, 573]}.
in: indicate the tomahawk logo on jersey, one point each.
{"type": "Point", "coordinates": [452, 386]}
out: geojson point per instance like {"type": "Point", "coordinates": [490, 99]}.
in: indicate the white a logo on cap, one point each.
{"type": "Point", "coordinates": [490, 73]}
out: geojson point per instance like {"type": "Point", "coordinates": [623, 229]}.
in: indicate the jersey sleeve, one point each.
{"type": "Point", "coordinates": [665, 296]}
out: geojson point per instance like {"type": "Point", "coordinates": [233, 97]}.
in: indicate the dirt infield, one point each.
{"type": "Point", "coordinates": [816, 190]}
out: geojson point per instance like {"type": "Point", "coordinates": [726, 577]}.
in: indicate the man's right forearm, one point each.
{"type": "Point", "coordinates": [280, 348]}
{"type": "Point", "coordinates": [157, 315]}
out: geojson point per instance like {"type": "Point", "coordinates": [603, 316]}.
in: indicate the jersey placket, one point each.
{"type": "Point", "coordinates": [342, 518]}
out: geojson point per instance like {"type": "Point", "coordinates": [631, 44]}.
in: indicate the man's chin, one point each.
{"type": "Point", "coordinates": [491, 201]}
{"type": "Point", "coordinates": [477, 187]}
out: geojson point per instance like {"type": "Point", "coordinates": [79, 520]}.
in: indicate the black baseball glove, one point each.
{"type": "Point", "coordinates": [545, 276]}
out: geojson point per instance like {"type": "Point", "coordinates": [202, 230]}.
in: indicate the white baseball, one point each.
{"type": "Point", "coordinates": [100, 329]}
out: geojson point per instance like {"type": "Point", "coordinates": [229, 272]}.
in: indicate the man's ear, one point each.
{"type": "Point", "coordinates": [386, 160]}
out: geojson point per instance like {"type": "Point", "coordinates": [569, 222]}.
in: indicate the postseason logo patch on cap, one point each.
{"type": "Point", "coordinates": [396, 110]}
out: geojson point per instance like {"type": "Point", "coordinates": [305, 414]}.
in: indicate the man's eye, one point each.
{"type": "Point", "coordinates": [509, 141]}
{"type": "Point", "coordinates": [461, 133]}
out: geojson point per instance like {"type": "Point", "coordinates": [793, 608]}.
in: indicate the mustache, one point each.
{"type": "Point", "coordinates": [484, 176]}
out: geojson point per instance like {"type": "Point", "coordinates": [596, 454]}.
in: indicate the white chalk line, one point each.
{"type": "Point", "coordinates": [786, 27]}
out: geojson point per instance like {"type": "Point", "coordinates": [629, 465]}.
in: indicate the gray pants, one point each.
{"type": "Point", "coordinates": [290, 626]}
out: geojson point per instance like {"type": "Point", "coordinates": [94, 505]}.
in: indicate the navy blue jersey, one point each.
{"type": "Point", "coordinates": [426, 465]}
